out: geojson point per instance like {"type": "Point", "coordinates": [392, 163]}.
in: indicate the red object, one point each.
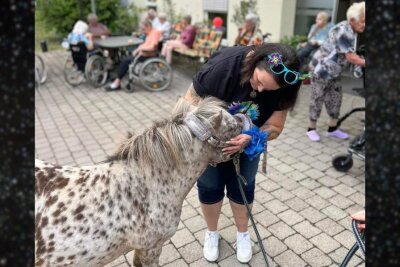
{"type": "Point", "coordinates": [307, 81]}
{"type": "Point", "coordinates": [217, 22]}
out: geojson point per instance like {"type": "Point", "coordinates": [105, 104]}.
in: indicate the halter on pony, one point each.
{"type": "Point", "coordinates": [204, 132]}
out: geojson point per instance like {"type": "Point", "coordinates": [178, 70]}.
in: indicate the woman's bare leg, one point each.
{"type": "Point", "coordinates": [211, 214]}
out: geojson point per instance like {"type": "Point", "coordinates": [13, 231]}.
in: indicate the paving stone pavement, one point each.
{"type": "Point", "coordinates": [302, 205]}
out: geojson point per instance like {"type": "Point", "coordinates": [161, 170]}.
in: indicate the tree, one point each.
{"type": "Point", "coordinates": [244, 8]}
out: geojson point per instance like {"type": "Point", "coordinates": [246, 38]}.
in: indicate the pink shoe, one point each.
{"type": "Point", "coordinates": [338, 134]}
{"type": "Point", "coordinates": [313, 135]}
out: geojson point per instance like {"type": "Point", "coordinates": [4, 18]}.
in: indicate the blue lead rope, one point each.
{"type": "Point", "coordinates": [360, 239]}
{"type": "Point", "coordinates": [240, 180]}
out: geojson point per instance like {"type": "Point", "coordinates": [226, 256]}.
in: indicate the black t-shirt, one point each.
{"type": "Point", "coordinates": [220, 77]}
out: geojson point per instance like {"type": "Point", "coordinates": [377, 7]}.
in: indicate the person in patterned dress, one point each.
{"type": "Point", "coordinates": [328, 62]}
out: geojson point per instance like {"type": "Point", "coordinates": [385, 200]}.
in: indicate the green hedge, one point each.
{"type": "Point", "coordinates": [61, 15]}
{"type": "Point", "coordinates": [294, 40]}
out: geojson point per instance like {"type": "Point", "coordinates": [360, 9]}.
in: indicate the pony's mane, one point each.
{"type": "Point", "coordinates": [163, 143]}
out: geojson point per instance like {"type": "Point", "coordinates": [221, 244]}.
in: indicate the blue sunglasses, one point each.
{"type": "Point", "coordinates": [277, 67]}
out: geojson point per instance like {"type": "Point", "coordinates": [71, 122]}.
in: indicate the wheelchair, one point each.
{"type": "Point", "coordinates": [153, 73]}
{"type": "Point", "coordinates": [40, 71]}
{"type": "Point", "coordinates": [82, 64]}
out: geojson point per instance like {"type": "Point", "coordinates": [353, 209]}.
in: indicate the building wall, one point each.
{"type": "Point", "coordinates": [191, 7]}
{"type": "Point", "coordinates": [288, 17]}
{"type": "Point", "coordinates": [232, 29]}
{"type": "Point", "coordinates": [276, 16]}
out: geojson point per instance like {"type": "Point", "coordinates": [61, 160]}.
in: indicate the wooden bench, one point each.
{"type": "Point", "coordinates": [206, 42]}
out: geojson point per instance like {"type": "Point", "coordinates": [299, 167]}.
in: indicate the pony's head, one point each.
{"type": "Point", "coordinates": [165, 142]}
{"type": "Point", "coordinates": [212, 123]}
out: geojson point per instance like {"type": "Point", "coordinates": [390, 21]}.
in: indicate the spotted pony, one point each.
{"type": "Point", "coordinates": [90, 215]}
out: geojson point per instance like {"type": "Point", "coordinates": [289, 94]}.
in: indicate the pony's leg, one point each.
{"type": "Point", "coordinates": [149, 257]}
{"type": "Point", "coordinates": [136, 259]}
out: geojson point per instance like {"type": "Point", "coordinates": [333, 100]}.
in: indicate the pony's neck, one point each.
{"type": "Point", "coordinates": [195, 162]}
{"type": "Point", "coordinates": [180, 179]}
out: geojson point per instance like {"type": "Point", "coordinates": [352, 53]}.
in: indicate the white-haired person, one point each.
{"type": "Point", "coordinates": [316, 36]}
{"type": "Point", "coordinates": [80, 34]}
{"type": "Point", "coordinates": [162, 25]}
{"type": "Point", "coordinates": [96, 28]}
{"type": "Point", "coordinates": [185, 39]}
{"type": "Point", "coordinates": [249, 34]}
{"type": "Point", "coordinates": [326, 66]}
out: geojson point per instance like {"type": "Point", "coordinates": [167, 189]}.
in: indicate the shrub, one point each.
{"type": "Point", "coordinates": [61, 15]}
{"type": "Point", "coordinates": [294, 40]}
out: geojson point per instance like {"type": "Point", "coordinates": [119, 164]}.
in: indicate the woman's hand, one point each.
{"type": "Point", "coordinates": [89, 35]}
{"type": "Point", "coordinates": [236, 144]}
{"type": "Point", "coordinates": [360, 218]}
{"type": "Point", "coordinates": [135, 52]}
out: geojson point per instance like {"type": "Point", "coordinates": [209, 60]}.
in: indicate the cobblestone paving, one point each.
{"type": "Point", "coordinates": [302, 205]}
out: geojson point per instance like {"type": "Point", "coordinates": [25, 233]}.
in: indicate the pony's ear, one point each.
{"type": "Point", "coordinates": [216, 119]}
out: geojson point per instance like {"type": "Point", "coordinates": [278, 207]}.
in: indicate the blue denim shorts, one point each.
{"type": "Point", "coordinates": [212, 183]}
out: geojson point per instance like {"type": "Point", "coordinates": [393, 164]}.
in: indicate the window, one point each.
{"type": "Point", "coordinates": [307, 10]}
{"type": "Point", "coordinates": [215, 5]}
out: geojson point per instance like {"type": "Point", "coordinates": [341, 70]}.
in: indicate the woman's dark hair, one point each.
{"type": "Point", "coordinates": [259, 59]}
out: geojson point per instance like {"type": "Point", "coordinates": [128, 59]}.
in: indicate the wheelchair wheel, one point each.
{"type": "Point", "coordinates": [41, 69]}
{"type": "Point", "coordinates": [96, 71]}
{"type": "Point", "coordinates": [72, 75]}
{"type": "Point", "coordinates": [37, 78]}
{"type": "Point", "coordinates": [155, 75]}
{"type": "Point", "coordinates": [356, 71]}
{"type": "Point", "coordinates": [342, 163]}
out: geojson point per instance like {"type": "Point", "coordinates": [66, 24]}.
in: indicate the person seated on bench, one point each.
{"type": "Point", "coordinates": [316, 36]}
{"type": "Point", "coordinates": [145, 50]}
{"type": "Point", "coordinates": [249, 34]}
{"type": "Point", "coordinates": [185, 39]}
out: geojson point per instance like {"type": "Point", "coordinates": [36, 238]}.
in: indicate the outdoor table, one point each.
{"type": "Point", "coordinates": [115, 42]}
{"type": "Point", "coordinates": [121, 45]}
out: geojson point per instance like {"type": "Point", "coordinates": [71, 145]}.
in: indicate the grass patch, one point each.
{"type": "Point", "coordinates": [52, 38]}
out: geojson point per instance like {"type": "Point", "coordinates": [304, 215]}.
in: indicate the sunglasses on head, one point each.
{"type": "Point", "coordinates": [277, 67]}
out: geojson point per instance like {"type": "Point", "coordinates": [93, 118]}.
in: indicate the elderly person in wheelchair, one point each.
{"type": "Point", "coordinates": [146, 50]}
{"type": "Point", "coordinates": [80, 34]}
{"type": "Point", "coordinates": [84, 62]}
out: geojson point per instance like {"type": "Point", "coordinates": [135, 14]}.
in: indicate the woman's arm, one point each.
{"type": "Point", "coordinates": [90, 44]}
{"type": "Point", "coordinates": [237, 40]}
{"type": "Point", "coordinates": [274, 125]}
{"type": "Point", "coordinates": [312, 31]}
{"type": "Point", "coordinates": [191, 96]}
{"type": "Point", "coordinates": [353, 58]}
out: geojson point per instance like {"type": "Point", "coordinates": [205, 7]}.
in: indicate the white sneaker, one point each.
{"type": "Point", "coordinates": [243, 247]}
{"type": "Point", "coordinates": [210, 249]}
